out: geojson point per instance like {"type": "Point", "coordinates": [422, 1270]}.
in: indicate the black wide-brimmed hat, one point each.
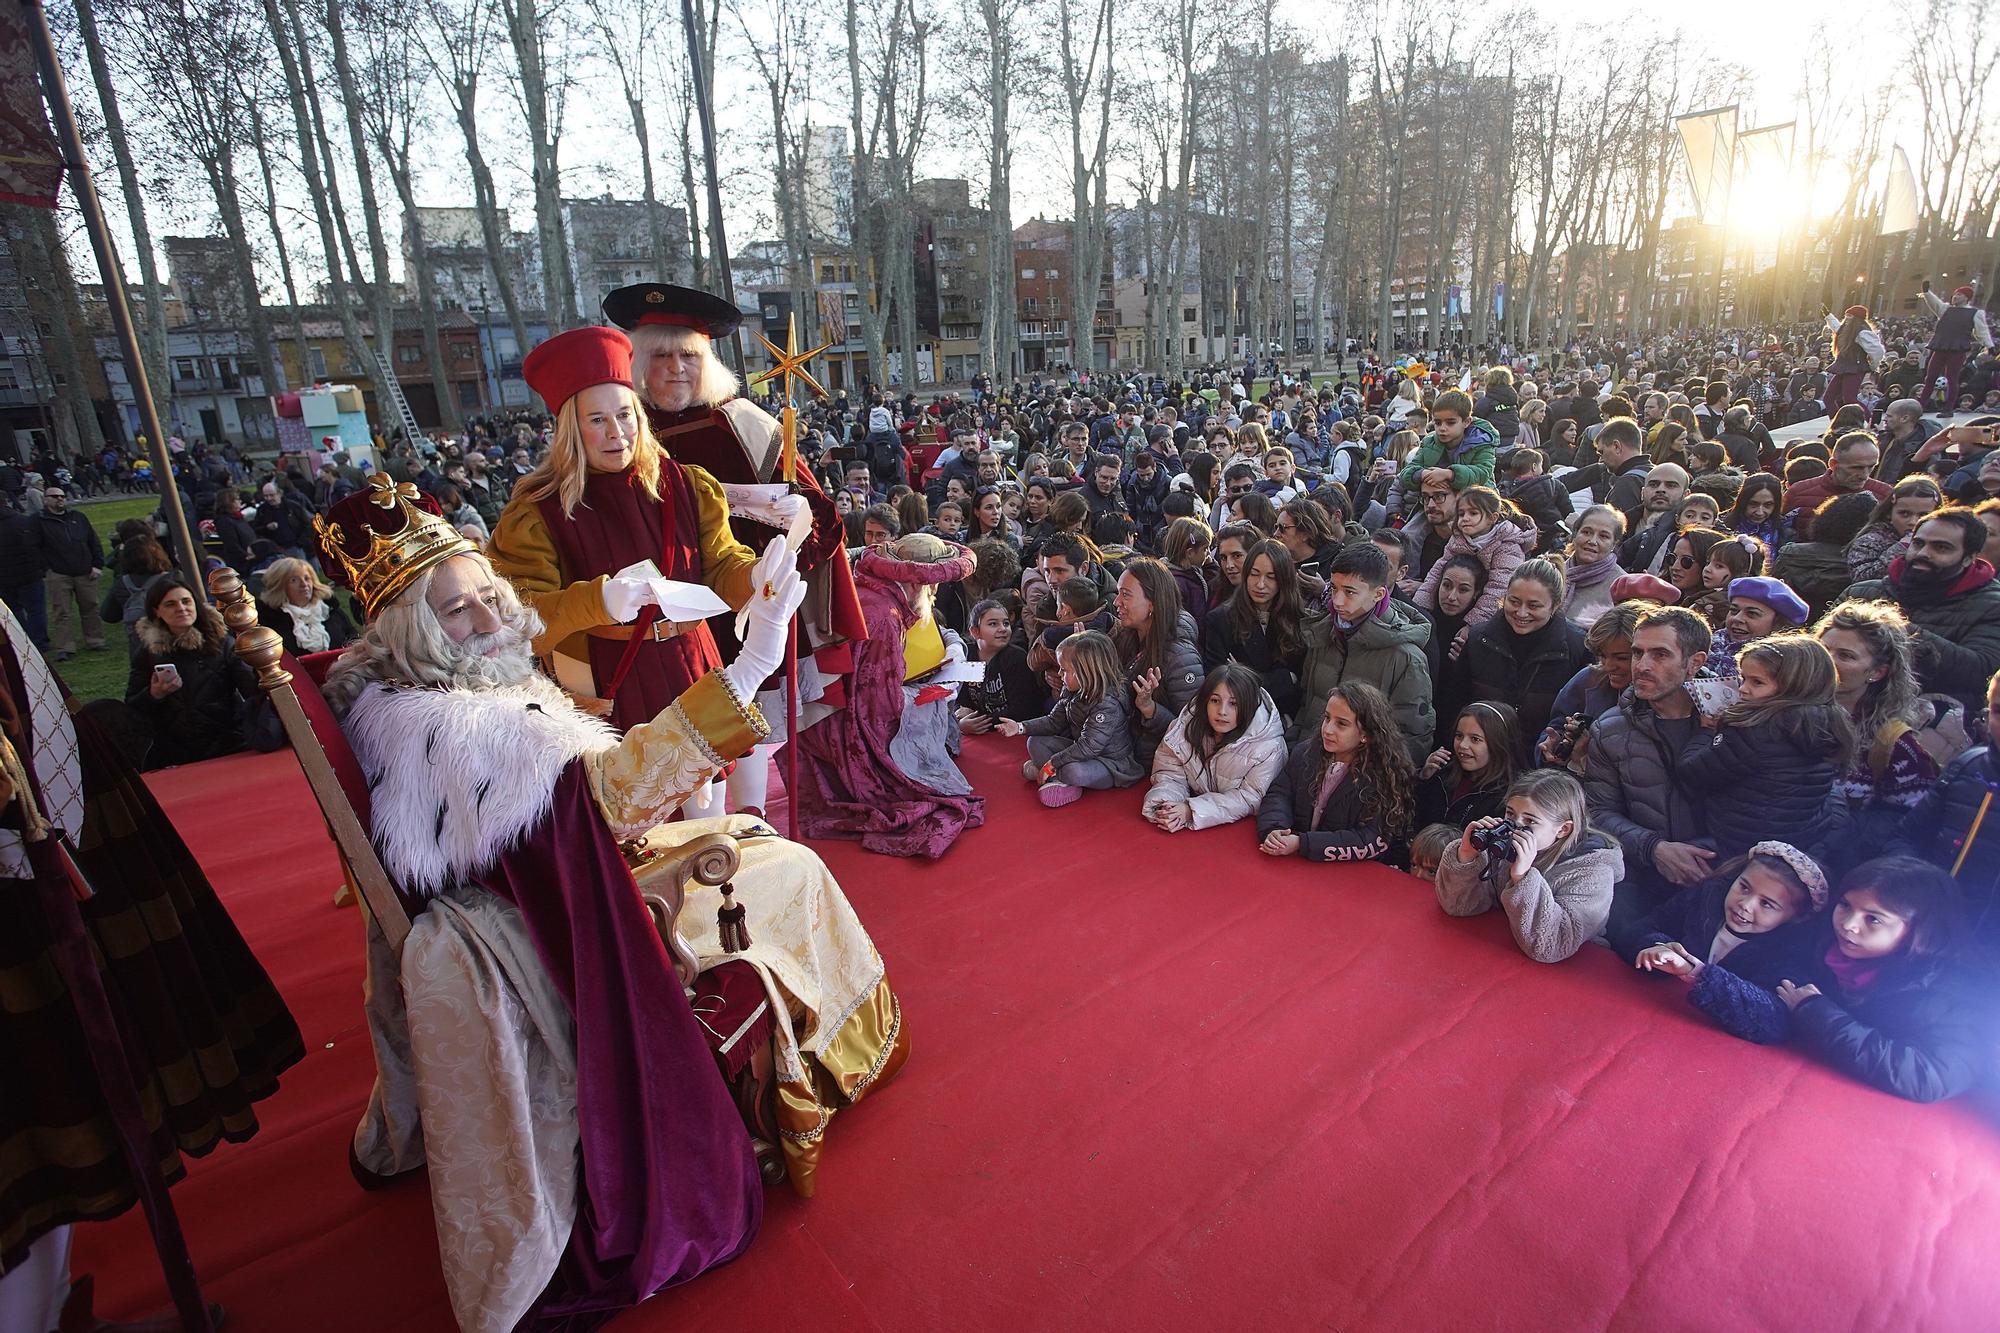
{"type": "Point", "coordinates": [679, 307]}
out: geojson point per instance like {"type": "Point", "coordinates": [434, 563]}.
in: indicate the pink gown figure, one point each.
{"type": "Point", "coordinates": [879, 770]}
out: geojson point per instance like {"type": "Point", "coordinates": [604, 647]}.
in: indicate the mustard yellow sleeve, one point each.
{"type": "Point", "coordinates": [524, 554]}
{"type": "Point", "coordinates": [725, 562]}
{"type": "Point", "coordinates": [659, 764]}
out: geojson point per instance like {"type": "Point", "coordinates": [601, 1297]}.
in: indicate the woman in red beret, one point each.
{"type": "Point", "coordinates": [605, 497]}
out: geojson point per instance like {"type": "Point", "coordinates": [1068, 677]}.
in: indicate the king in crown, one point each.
{"type": "Point", "coordinates": [499, 808]}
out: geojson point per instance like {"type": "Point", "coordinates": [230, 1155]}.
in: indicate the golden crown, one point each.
{"type": "Point", "coordinates": [395, 558]}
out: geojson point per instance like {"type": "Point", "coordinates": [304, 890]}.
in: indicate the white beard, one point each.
{"type": "Point", "coordinates": [485, 661]}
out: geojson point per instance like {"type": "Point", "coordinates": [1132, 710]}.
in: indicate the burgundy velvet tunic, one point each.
{"type": "Point", "coordinates": [617, 524]}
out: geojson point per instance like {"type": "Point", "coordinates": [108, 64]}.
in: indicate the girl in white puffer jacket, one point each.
{"type": "Point", "coordinates": [1220, 755]}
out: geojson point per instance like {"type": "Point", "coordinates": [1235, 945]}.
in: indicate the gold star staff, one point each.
{"type": "Point", "coordinates": [790, 364]}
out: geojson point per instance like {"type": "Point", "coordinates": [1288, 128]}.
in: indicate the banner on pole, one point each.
{"type": "Point", "coordinates": [1899, 195]}
{"type": "Point", "coordinates": [30, 164]}
{"type": "Point", "coordinates": [1708, 141]}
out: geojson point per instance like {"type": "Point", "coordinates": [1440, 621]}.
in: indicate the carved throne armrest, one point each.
{"type": "Point", "coordinates": [663, 875]}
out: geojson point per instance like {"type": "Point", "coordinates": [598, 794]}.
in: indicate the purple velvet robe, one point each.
{"type": "Point", "coordinates": [670, 1185]}
{"type": "Point", "coordinates": [849, 785]}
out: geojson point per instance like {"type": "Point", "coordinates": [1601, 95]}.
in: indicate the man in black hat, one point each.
{"type": "Point", "coordinates": [698, 417]}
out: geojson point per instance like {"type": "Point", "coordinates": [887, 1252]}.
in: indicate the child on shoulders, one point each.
{"type": "Point", "coordinates": [1085, 741]}
{"type": "Point", "coordinates": [1496, 534]}
{"type": "Point", "coordinates": [1344, 791]}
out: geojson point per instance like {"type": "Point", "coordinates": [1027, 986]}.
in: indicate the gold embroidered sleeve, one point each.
{"type": "Point", "coordinates": [661, 763]}
{"type": "Point", "coordinates": [725, 562]}
{"type": "Point", "coordinates": [524, 554]}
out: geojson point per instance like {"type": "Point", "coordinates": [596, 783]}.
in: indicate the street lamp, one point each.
{"type": "Point", "coordinates": [486, 374]}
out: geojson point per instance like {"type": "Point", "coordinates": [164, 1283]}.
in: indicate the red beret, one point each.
{"type": "Point", "coordinates": [1965, 291]}
{"type": "Point", "coordinates": [1644, 588]}
{"type": "Point", "coordinates": [1856, 312]}
{"type": "Point", "coordinates": [563, 366]}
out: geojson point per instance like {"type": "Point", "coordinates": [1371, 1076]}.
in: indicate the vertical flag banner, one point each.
{"type": "Point", "coordinates": [1708, 140]}
{"type": "Point", "coordinates": [1899, 195]}
{"type": "Point", "coordinates": [30, 164]}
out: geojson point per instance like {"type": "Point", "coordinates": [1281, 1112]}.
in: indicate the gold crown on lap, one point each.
{"type": "Point", "coordinates": [383, 538]}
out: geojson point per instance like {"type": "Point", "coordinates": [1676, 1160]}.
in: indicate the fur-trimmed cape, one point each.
{"type": "Point", "coordinates": [456, 777]}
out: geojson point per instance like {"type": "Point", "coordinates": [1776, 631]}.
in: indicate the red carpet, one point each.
{"type": "Point", "coordinates": [1163, 1082]}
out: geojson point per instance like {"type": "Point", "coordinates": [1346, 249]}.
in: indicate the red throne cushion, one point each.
{"type": "Point", "coordinates": [308, 674]}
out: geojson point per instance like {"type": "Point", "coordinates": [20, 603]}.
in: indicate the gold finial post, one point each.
{"type": "Point", "coordinates": [790, 365]}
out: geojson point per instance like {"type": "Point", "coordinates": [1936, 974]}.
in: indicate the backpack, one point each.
{"type": "Point", "coordinates": [1943, 738]}
{"type": "Point", "coordinates": [885, 453]}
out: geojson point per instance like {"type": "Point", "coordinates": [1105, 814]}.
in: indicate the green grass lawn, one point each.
{"type": "Point", "coordinates": [102, 675]}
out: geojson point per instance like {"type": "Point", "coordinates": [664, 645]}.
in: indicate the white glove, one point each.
{"type": "Point", "coordinates": [776, 590]}
{"type": "Point", "coordinates": [625, 598]}
{"type": "Point", "coordinates": [794, 518]}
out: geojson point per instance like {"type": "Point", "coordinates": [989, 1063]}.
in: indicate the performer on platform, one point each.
{"type": "Point", "coordinates": [695, 413]}
{"type": "Point", "coordinates": [1857, 349]}
{"type": "Point", "coordinates": [1960, 326]}
{"type": "Point", "coordinates": [535, 1047]}
{"type": "Point", "coordinates": [606, 497]}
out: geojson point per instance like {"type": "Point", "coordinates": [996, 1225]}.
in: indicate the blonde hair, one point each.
{"type": "Point", "coordinates": [566, 466]}
{"type": "Point", "coordinates": [272, 592]}
{"type": "Point", "coordinates": [1401, 445]}
{"type": "Point", "coordinates": [1183, 536]}
{"type": "Point", "coordinates": [1558, 795]}
{"type": "Point", "coordinates": [718, 383]}
{"type": "Point", "coordinates": [1095, 660]}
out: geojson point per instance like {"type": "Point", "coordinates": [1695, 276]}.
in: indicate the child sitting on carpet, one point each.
{"type": "Point", "coordinates": [1894, 1005]}
{"type": "Point", "coordinates": [1344, 791]}
{"type": "Point", "coordinates": [1218, 758]}
{"type": "Point", "coordinates": [1011, 688]}
{"type": "Point", "coordinates": [1735, 936]}
{"type": "Point", "coordinates": [1428, 848]}
{"type": "Point", "coordinates": [1085, 741]}
{"type": "Point", "coordinates": [1556, 886]}
{"type": "Point", "coordinates": [1469, 780]}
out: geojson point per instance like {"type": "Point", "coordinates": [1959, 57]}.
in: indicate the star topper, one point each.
{"type": "Point", "coordinates": [790, 362]}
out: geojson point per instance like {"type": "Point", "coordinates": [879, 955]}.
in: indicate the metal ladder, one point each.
{"type": "Point", "coordinates": [394, 389]}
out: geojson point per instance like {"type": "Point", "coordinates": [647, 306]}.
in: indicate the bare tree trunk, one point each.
{"type": "Point", "coordinates": [52, 304]}
{"type": "Point", "coordinates": [222, 179]}
{"type": "Point", "coordinates": [153, 328]}
{"type": "Point", "coordinates": [999, 336]}
{"type": "Point", "coordinates": [383, 292]}
{"type": "Point", "coordinates": [270, 202]}
{"type": "Point", "coordinates": [524, 35]}
{"type": "Point", "coordinates": [1088, 172]}
{"type": "Point", "coordinates": [320, 188]}
{"type": "Point", "coordinates": [866, 207]}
